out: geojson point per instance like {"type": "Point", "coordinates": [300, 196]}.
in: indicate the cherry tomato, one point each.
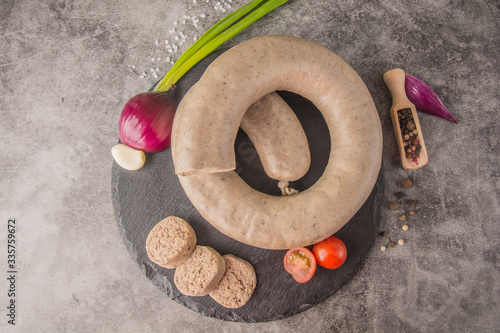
{"type": "Point", "coordinates": [330, 253]}
{"type": "Point", "coordinates": [300, 262]}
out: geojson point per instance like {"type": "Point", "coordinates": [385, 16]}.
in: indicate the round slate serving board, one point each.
{"type": "Point", "coordinates": [142, 198]}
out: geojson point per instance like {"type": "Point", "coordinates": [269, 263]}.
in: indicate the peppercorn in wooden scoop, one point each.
{"type": "Point", "coordinates": [405, 122]}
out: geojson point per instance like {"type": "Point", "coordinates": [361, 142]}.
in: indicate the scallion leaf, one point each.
{"type": "Point", "coordinates": [209, 35]}
{"type": "Point", "coordinates": [216, 36]}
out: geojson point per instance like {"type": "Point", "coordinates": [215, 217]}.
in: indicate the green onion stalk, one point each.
{"type": "Point", "coordinates": [221, 32]}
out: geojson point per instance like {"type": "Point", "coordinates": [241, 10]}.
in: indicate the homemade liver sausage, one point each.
{"type": "Point", "coordinates": [237, 284]}
{"type": "Point", "coordinates": [200, 273]}
{"type": "Point", "coordinates": [278, 137]}
{"type": "Point", "coordinates": [204, 156]}
{"type": "Point", "coordinates": [170, 242]}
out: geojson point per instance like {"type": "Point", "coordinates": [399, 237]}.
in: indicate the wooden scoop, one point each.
{"type": "Point", "coordinates": [395, 80]}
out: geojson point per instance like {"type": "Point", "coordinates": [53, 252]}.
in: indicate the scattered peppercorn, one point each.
{"type": "Point", "coordinates": [402, 217]}
{"type": "Point", "coordinates": [394, 206]}
{"type": "Point", "coordinates": [383, 234]}
{"type": "Point", "coordinates": [405, 227]}
{"type": "Point", "coordinates": [391, 245]}
{"type": "Point", "coordinates": [399, 195]}
{"type": "Point", "coordinates": [412, 212]}
{"type": "Point", "coordinates": [413, 203]}
{"type": "Point", "coordinates": [407, 183]}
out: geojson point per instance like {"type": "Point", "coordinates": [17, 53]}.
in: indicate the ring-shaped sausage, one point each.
{"type": "Point", "coordinates": [206, 125]}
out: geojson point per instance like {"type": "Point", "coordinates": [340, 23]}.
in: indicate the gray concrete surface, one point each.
{"type": "Point", "coordinates": [67, 68]}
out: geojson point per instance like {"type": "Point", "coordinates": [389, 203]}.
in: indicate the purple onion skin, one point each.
{"type": "Point", "coordinates": [425, 99]}
{"type": "Point", "coordinates": [146, 121]}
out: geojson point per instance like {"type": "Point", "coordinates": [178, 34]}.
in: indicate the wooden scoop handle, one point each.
{"type": "Point", "coordinates": [395, 81]}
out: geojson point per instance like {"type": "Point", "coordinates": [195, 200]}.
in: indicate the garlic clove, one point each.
{"type": "Point", "coordinates": [127, 157]}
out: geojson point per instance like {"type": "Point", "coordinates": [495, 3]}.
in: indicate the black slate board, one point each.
{"type": "Point", "coordinates": [142, 198]}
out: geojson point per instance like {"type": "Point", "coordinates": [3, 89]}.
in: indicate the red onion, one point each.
{"type": "Point", "coordinates": [146, 120]}
{"type": "Point", "coordinates": [425, 99]}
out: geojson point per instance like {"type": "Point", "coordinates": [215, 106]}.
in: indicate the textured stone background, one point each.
{"type": "Point", "coordinates": [67, 68]}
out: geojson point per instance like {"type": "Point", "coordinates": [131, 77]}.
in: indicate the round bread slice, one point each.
{"type": "Point", "coordinates": [170, 242]}
{"type": "Point", "coordinates": [200, 273]}
{"type": "Point", "coordinates": [237, 285]}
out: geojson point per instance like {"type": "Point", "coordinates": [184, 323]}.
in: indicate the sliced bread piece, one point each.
{"type": "Point", "coordinates": [200, 273]}
{"type": "Point", "coordinates": [237, 285]}
{"type": "Point", "coordinates": [170, 242]}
